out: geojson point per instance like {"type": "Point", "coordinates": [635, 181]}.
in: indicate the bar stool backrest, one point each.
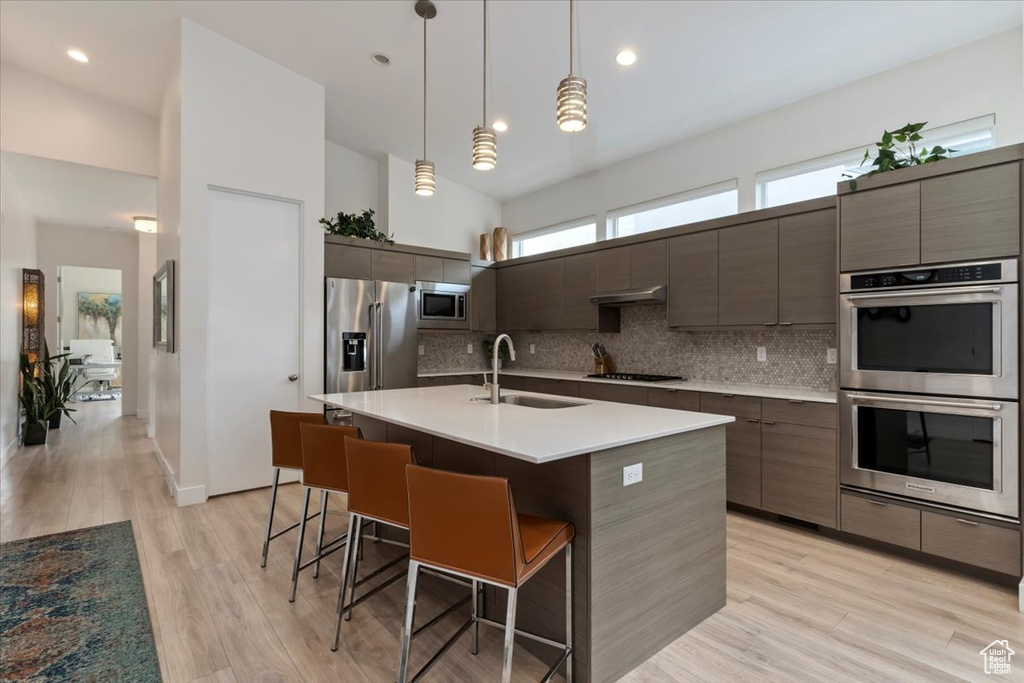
{"type": "Point", "coordinates": [324, 463]}
{"type": "Point", "coordinates": [376, 480]}
{"type": "Point", "coordinates": [466, 523]}
{"type": "Point", "coordinates": [285, 445]}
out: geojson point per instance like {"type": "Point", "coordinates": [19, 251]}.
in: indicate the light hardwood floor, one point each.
{"type": "Point", "coordinates": [801, 607]}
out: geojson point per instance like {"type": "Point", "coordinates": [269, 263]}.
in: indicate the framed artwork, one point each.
{"type": "Point", "coordinates": [163, 307]}
{"type": "Point", "coordinates": [99, 316]}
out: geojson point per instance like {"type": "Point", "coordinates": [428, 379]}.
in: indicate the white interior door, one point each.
{"type": "Point", "coordinates": [253, 333]}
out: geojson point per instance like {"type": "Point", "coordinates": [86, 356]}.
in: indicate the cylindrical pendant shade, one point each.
{"type": "Point", "coordinates": [485, 247]}
{"type": "Point", "coordinates": [485, 148]}
{"type": "Point", "coordinates": [424, 177]}
{"type": "Point", "coordinates": [571, 111]}
{"type": "Point", "coordinates": [500, 244]}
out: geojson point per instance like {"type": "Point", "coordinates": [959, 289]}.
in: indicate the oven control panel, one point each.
{"type": "Point", "coordinates": [948, 275]}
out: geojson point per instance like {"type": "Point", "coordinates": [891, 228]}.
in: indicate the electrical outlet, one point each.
{"type": "Point", "coordinates": [830, 356]}
{"type": "Point", "coordinates": [632, 474]}
{"type": "Point", "coordinates": [421, 350]}
{"type": "Point", "coordinates": [762, 354]}
{"type": "Point", "coordinates": [533, 348]}
{"type": "Point", "coordinates": [469, 349]}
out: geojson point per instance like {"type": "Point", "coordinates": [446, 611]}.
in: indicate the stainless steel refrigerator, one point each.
{"type": "Point", "coordinates": [371, 336]}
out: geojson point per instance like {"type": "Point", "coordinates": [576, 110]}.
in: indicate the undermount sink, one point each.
{"type": "Point", "coordinates": [533, 401]}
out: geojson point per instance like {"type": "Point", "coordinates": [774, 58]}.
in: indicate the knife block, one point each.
{"type": "Point", "coordinates": [604, 365]}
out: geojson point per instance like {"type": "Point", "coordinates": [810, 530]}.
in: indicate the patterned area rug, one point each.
{"type": "Point", "coordinates": [73, 608]}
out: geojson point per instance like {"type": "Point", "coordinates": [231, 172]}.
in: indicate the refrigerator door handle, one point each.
{"type": "Point", "coordinates": [372, 354]}
{"type": "Point", "coordinates": [380, 346]}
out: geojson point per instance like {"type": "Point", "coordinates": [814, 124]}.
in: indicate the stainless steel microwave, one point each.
{"type": "Point", "coordinates": [945, 330]}
{"type": "Point", "coordinates": [442, 305]}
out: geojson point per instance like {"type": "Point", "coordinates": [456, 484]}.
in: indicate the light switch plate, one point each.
{"type": "Point", "coordinates": [469, 349]}
{"type": "Point", "coordinates": [533, 348]}
{"type": "Point", "coordinates": [421, 350]}
{"type": "Point", "coordinates": [830, 356]}
{"type": "Point", "coordinates": [762, 354]}
{"type": "Point", "coordinates": [632, 474]}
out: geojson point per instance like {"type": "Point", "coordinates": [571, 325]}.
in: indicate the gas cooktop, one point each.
{"type": "Point", "coordinates": [636, 377]}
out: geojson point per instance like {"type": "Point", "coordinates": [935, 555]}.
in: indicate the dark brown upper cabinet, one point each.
{"type": "Point", "coordinates": [580, 285]}
{"type": "Point", "coordinates": [807, 268]}
{"type": "Point", "coordinates": [483, 300]}
{"type": "Point", "coordinates": [971, 215]}
{"type": "Point", "coordinates": [456, 271]}
{"type": "Point", "coordinates": [531, 296]}
{"type": "Point", "coordinates": [693, 280]}
{"type": "Point", "coordinates": [392, 266]}
{"type": "Point", "coordinates": [880, 228]}
{"type": "Point", "coordinates": [341, 260]}
{"type": "Point", "coordinates": [648, 262]}
{"type": "Point", "coordinates": [430, 268]}
{"type": "Point", "coordinates": [613, 269]}
{"type": "Point", "coordinates": [748, 274]}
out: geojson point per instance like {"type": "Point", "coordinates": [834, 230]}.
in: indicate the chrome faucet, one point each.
{"type": "Point", "coordinates": [493, 386]}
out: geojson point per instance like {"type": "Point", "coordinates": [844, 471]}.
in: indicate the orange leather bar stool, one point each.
{"type": "Point", "coordinates": [468, 526]}
{"type": "Point", "coordinates": [377, 493]}
{"type": "Point", "coordinates": [324, 467]}
{"type": "Point", "coordinates": [285, 454]}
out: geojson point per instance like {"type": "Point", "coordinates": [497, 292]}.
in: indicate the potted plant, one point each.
{"type": "Point", "coordinates": [351, 225]}
{"type": "Point", "coordinates": [33, 404]}
{"type": "Point", "coordinates": [503, 354]}
{"type": "Point", "coordinates": [891, 157]}
{"type": "Point", "coordinates": [58, 385]}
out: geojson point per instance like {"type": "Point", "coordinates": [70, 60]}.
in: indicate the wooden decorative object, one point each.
{"type": "Point", "coordinates": [33, 312]}
{"type": "Point", "coordinates": [500, 244]}
{"type": "Point", "coordinates": [485, 247]}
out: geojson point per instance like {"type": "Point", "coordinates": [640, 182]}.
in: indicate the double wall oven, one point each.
{"type": "Point", "coordinates": [929, 375]}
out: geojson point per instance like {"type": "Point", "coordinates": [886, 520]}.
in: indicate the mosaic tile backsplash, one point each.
{"type": "Point", "coordinates": [646, 344]}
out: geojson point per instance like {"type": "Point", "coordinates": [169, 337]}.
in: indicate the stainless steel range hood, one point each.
{"type": "Point", "coordinates": [629, 297]}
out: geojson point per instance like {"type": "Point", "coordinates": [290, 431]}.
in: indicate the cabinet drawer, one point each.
{"type": "Point", "coordinates": [731, 404]}
{"type": "Point", "coordinates": [620, 394]}
{"type": "Point", "coordinates": [799, 412]}
{"type": "Point", "coordinates": [465, 379]}
{"type": "Point", "coordinates": [881, 520]}
{"type": "Point", "coordinates": [431, 381]}
{"type": "Point", "coordinates": [971, 541]}
{"type": "Point", "coordinates": [341, 260]}
{"type": "Point", "coordinates": [674, 399]}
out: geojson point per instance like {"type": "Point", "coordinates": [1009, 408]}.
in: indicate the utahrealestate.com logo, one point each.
{"type": "Point", "coordinates": [997, 657]}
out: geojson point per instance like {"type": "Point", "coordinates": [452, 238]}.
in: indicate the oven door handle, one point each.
{"type": "Point", "coordinates": [947, 291]}
{"type": "Point", "coordinates": [994, 407]}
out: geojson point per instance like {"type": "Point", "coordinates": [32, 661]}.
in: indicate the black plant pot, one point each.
{"type": "Point", "coordinates": [35, 433]}
{"type": "Point", "coordinates": [55, 420]}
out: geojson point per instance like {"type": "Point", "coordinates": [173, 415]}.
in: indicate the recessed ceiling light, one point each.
{"type": "Point", "coordinates": [626, 58]}
{"type": "Point", "coordinates": [78, 56]}
{"type": "Point", "coordinates": [380, 59]}
{"type": "Point", "coordinates": [500, 126]}
{"type": "Point", "coordinates": [144, 223]}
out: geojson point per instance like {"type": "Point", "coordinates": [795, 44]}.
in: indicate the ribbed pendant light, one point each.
{"type": "Point", "coordinates": [571, 111]}
{"type": "Point", "coordinates": [424, 178]}
{"type": "Point", "coordinates": [485, 142]}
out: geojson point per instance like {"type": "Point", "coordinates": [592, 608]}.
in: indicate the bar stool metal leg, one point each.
{"type": "Point", "coordinates": [357, 554]}
{"type": "Point", "coordinates": [410, 613]}
{"type": "Point", "coordinates": [570, 631]}
{"type": "Point", "coordinates": [320, 533]}
{"type": "Point", "coordinates": [475, 648]}
{"type": "Point", "coordinates": [270, 516]}
{"type": "Point", "coordinates": [510, 632]}
{"type": "Point", "coordinates": [344, 579]}
{"type": "Point", "coordinates": [298, 546]}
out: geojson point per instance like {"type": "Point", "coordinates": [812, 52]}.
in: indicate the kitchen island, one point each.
{"type": "Point", "coordinates": [650, 556]}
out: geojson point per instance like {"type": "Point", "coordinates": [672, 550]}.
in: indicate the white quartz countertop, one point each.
{"type": "Point", "coordinates": [532, 434]}
{"type": "Point", "coordinates": [763, 390]}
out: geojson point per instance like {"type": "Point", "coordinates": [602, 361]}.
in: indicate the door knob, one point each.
{"type": "Point", "coordinates": [292, 378]}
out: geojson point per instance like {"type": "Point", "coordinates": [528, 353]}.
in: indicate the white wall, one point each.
{"type": "Point", "coordinates": [352, 182]}
{"type": "Point", "coordinates": [452, 218]}
{"type": "Point", "coordinates": [75, 279]}
{"type": "Point", "coordinates": [17, 251]}
{"type": "Point", "coordinates": [61, 245]}
{"type": "Point", "coordinates": [979, 78]}
{"type": "Point", "coordinates": [247, 124]}
{"type": "Point", "coordinates": [44, 118]}
{"type": "Point", "coordinates": [147, 267]}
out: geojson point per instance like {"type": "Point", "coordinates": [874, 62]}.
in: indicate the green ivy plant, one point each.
{"type": "Point", "coordinates": [890, 156]}
{"type": "Point", "coordinates": [351, 225]}
{"type": "Point", "coordinates": [488, 346]}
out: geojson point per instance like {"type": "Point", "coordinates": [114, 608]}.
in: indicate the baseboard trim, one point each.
{"type": "Point", "coordinates": [8, 450]}
{"type": "Point", "coordinates": [190, 495]}
{"type": "Point", "coordinates": [141, 414]}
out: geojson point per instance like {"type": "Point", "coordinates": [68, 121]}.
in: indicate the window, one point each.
{"type": "Point", "coordinates": [701, 204]}
{"type": "Point", "coordinates": [561, 236]}
{"type": "Point", "coordinates": [818, 177]}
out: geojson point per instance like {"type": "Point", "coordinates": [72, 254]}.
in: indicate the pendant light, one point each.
{"type": "Point", "coordinates": [485, 142]}
{"type": "Point", "coordinates": [571, 110]}
{"type": "Point", "coordinates": [425, 181]}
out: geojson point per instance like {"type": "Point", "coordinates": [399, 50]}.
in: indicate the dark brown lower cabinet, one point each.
{"type": "Point", "coordinates": [798, 472]}
{"type": "Point", "coordinates": [617, 394]}
{"type": "Point", "coordinates": [881, 520]}
{"type": "Point", "coordinates": [743, 462]}
{"type": "Point", "coordinates": [972, 541]}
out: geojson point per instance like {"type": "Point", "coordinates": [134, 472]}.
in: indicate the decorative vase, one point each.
{"type": "Point", "coordinates": [34, 434]}
{"type": "Point", "coordinates": [55, 420]}
{"type": "Point", "coordinates": [485, 247]}
{"type": "Point", "coordinates": [500, 244]}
